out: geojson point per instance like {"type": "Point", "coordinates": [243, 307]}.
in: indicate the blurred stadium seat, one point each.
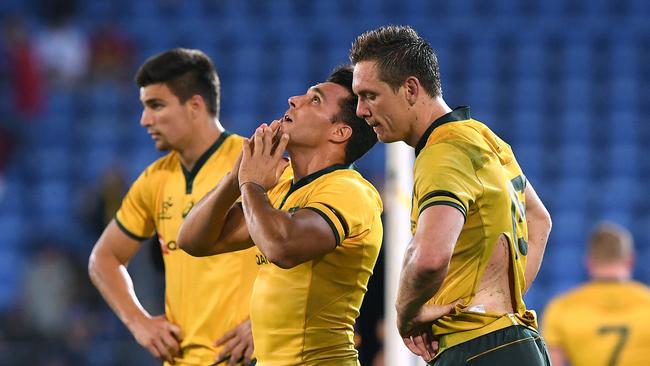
{"type": "Point", "coordinates": [565, 81]}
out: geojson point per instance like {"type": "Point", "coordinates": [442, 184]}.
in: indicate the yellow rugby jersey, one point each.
{"type": "Point", "coordinates": [305, 315]}
{"type": "Point", "coordinates": [461, 163]}
{"type": "Point", "coordinates": [601, 323]}
{"type": "Point", "coordinates": [205, 296]}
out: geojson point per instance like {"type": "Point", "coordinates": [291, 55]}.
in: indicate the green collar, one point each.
{"type": "Point", "coordinates": [457, 114]}
{"type": "Point", "coordinates": [190, 175]}
{"type": "Point", "coordinates": [312, 177]}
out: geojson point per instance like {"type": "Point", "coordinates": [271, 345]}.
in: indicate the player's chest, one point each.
{"type": "Point", "coordinates": [176, 198]}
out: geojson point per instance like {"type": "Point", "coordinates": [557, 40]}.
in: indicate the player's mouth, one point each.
{"type": "Point", "coordinates": [286, 118]}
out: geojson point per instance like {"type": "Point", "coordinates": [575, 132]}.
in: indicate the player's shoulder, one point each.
{"type": "Point", "coordinates": [230, 145]}
{"type": "Point", "coordinates": [233, 139]}
{"type": "Point", "coordinates": [575, 295]}
{"type": "Point", "coordinates": [352, 185]}
{"type": "Point", "coordinates": [166, 163]}
{"type": "Point", "coordinates": [640, 291]}
{"type": "Point", "coordinates": [469, 131]}
{"type": "Point", "coordinates": [456, 137]}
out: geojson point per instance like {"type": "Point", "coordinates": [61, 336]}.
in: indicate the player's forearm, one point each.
{"type": "Point", "coordinates": [269, 228]}
{"type": "Point", "coordinates": [201, 229]}
{"type": "Point", "coordinates": [421, 277]}
{"type": "Point", "coordinates": [539, 228]}
{"type": "Point", "coordinates": [114, 284]}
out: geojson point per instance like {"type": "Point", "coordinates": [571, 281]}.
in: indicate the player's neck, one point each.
{"type": "Point", "coordinates": [612, 273]}
{"type": "Point", "coordinates": [308, 161]}
{"type": "Point", "coordinates": [199, 143]}
{"type": "Point", "coordinates": [429, 111]}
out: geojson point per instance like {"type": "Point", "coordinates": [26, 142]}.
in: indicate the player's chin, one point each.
{"type": "Point", "coordinates": [162, 146]}
{"type": "Point", "coordinates": [386, 138]}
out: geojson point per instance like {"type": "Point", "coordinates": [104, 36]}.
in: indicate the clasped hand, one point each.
{"type": "Point", "coordinates": [262, 161]}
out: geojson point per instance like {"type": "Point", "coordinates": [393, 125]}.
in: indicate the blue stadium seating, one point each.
{"type": "Point", "coordinates": [563, 81]}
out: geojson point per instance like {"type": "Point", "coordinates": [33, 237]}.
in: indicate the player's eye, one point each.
{"type": "Point", "coordinates": [315, 99]}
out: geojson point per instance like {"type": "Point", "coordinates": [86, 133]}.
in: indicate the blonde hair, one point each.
{"type": "Point", "coordinates": [610, 243]}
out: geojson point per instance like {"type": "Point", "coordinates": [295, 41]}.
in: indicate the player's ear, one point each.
{"type": "Point", "coordinates": [340, 132]}
{"type": "Point", "coordinates": [412, 89]}
{"type": "Point", "coordinates": [196, 105]}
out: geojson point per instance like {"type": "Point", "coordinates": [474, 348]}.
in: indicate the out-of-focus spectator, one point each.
{"type": "Point", "coordinates": [22, 68]}
{"type": "Point", "coordinates": [111, 54]}
{"type": "Point", "coordinates": [58, 312]}
{"type": "Point", "coordinates": [6, 147]}
{"type": "Point", "coordinates": [99, 204]}
{"type": "Point", "coordinates": [62, 47]}
{"type": "Point", "coordinates": [48, 292]}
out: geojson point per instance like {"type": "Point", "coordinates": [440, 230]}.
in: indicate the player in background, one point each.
{"type": "Point", "coordinates": [606, 321]}
{"type": "Point", "coordinates": [317, 231]}
{"type": "Point", "coordinates": [479, 228]}
{"type": "Point", "coordinates": [179, 91]}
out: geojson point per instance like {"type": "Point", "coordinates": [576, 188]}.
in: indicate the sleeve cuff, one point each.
{"type": "Point", "coordinates": [445, 198]}
{"type": "Point", "coordinates": [334, 219]}
{"type": "Point", "coordinates": [129, 233]}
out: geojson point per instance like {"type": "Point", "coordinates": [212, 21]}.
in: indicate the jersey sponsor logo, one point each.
{"type": "Point", "coordinates": [261, 259]}
{"type": "Point", "coordinates": [166, 247]}
{"type": "Point", "coordinates": [164, 212]}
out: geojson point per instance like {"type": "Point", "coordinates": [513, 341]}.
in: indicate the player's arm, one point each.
{"type": "Point", "coordinates": [539, 226]}
{"type": "Point", "coordinates": [425, 266]}
{"type": "Point", "coordinates": [286, 240]}
{"type": "Point", "coordinates": [107, 270]}
{"type": "Point", "coordinates": [216, 223]}
{"type": "Point", "coordinates": [427, 257]}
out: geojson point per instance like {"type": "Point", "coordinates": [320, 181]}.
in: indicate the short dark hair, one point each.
{"type": "Point", "coordinates": [399, 52]}
{"type": "Point", "coordinates": [363, 137]}
{"type": "Point", "coordinates": [610, 243]}
{"type": "Point", "coordinates": [186, 73]}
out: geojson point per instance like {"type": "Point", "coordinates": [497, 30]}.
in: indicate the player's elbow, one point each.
{"type": "Point", "coordinates": [95, 265]}
{"type": "Point", "coordinates": [428, 263]}
{"type": "Point", "coordinates": [283, 261]}
{"type": "Point", "coordinates": [281, 257]}
{"type": "Point", "coordinates": [431, 265]}
{"type": "Point", "coordinates": [92, 267]}
{"type": "Point", "coordinates": [541, 220]}
{"type": "Point", "coordinates": [548, 222]}
{"type": "Point", "coordinates": [188, 243]}
{"type": "Point", "coordinates": [187, 246]}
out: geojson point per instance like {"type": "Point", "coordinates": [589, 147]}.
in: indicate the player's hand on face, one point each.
{"type": "Point", "coordinates": [237, 345]}
{"type": "Point", "coordinates": [416, 331]}
{"type": "Point", "coordinates": [262, 160]}
{"type": "Point", "coordinates": [160, 337]}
